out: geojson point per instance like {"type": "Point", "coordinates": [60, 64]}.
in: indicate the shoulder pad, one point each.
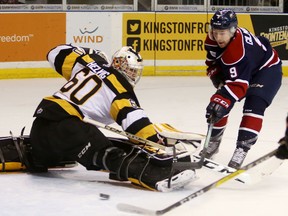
{"type": "Point", "coordinates": [235, 50]}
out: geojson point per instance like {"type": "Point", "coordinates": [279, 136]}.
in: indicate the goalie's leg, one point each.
{"type": "Point", "coordinates": [143, 170]}
{"type": "Point", "coordinates": [73, 139]}
{"type": "Point", "coordinates": [10, 159]}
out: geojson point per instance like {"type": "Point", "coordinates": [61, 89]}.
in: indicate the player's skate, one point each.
{"type": "Point", "coordinates": [214, 144]}
{"type": "Point", "coordinates": [238, 158]}
{"type": "Point", "coordinates": [212, 149]}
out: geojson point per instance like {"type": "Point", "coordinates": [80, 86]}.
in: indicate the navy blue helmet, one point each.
{"type": "Point", "coordinates": [224, 19]}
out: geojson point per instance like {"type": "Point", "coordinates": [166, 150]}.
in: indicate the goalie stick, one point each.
{"type": "Point", "coordinates": [126, 134]}
{"type": "Point", "coordinates": [139, 210]}
{"type": "Point", "coordinates": [171, 150]}
{"type": "Point", "coordinates": [189, 165]}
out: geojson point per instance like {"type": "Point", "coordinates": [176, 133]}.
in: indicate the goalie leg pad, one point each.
{"type": "Point", "coordinates": [144, 170]}
{"type": "Point", "coordinates": [180, 139]}
{"type": "Point", "coordinates": [15, 155]}
{"type": "Point", "coordinates": [11, 155]}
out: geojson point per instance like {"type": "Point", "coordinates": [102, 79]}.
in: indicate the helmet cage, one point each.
{"type": "Point", "coordinates": [129, 63]}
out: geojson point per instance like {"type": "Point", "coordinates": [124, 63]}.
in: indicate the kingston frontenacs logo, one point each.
{"type": "Point", "coordinates": [277, 36]}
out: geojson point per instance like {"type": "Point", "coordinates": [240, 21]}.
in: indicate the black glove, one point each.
{"type": "Point", "coordinates": [214, 73]}
{"type": "Point", "coordinates": [282, 151]}
{"type": "Point", "coordinates": [218, 107]}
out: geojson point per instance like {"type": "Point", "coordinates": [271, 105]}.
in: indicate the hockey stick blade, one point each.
{"type": "Point", "coordinates": [143, 211]}
{"type": "Point", "coordinates": [248, 177]}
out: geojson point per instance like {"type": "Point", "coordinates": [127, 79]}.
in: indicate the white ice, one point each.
{"type": "Point", "coordinates": [179, 101]}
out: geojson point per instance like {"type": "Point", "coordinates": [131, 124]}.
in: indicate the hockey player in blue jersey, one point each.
{"type": "Point", "coordinates": [242, 67]}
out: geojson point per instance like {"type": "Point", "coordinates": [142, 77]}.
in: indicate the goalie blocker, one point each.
{"type": "Point", "coordinates": [145, 167]}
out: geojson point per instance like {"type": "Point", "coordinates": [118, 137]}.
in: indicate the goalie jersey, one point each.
{"type": "Point", "coordinates": [95, 90]}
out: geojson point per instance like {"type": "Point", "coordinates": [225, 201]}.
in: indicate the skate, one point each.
{"type": "Point", "coordinates": [238, 158]}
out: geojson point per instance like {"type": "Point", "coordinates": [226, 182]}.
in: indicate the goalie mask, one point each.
{"type": "Point", "coordinates": [129, 63]}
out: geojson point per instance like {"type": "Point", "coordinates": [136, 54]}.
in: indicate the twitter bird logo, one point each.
{"type": "Point", "coordinates": [133, 27]}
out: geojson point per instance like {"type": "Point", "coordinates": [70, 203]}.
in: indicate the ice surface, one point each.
{"type": "Point", "coordinates": [179, 101]}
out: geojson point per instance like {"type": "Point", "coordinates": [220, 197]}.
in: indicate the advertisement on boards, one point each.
{"type": "Point", "coordinates": [95, 30]}
{"type": "Point", "coordinates": [165, 36]}
{"type": "Point", "coordinates": [275, 28]}
{"type": "Point", "coordinates": [29, 36]}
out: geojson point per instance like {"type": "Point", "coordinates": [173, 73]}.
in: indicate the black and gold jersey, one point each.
{"type": "Point", "coordinates": [95, 90]}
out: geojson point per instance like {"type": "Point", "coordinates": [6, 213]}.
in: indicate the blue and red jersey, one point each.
{"type": "Point", "coordinates": [244, 57]}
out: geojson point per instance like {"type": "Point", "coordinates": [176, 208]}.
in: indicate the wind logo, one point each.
{"type": "Point", "coordinates": [15, 38]}
{"type": "Point", "coordinates": [88, 36]}
{"type": "Point", "coordinates": [87, 31]}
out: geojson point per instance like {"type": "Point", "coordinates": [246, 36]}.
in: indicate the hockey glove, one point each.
{"type": "Point", "coordinates": [282, 151]}
{"type": "Point", "coordinates": [214, 73]}
{"type": "Point", "coordinates": [218, 107]}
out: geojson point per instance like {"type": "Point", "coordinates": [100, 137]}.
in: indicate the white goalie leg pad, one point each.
{"type": "Point", "coordinates": [177, 181]}
{"type": "Point", "coordinates": [169, 131]}
{"type": "Point", "coordinates": [179, 138]}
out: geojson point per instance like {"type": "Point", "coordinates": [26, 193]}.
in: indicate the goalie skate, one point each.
{"type": "Point", "coordinates": [177, 181]}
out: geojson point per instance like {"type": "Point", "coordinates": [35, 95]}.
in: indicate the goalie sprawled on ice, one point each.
{"type": "Point", "coordinates": [103, 92]}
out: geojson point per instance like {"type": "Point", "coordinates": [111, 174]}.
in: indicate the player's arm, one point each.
{"type": "Point", "coordinates": [214, 70]}
{"type": "Point", "coordinates": [68, 59]}
{"type": "Point", "coordinates": [132, 118]}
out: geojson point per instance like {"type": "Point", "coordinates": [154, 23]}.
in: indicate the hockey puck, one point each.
{"type": "Point", "coordinates": [104, 196]}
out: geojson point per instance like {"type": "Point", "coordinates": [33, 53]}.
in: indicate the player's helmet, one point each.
{"type": "Point", "coordinates": [224, 19]}
{"type": "Point", "coordinates": [129, 63]}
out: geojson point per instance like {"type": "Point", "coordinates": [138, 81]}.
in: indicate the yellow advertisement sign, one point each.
{"type": "Point", "coordinates": [167, 36]}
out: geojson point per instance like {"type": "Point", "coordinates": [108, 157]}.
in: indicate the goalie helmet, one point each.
{"type": "Point", "coordinates": [224, 19]}
{"type": "Point", "coordinates": [129, 63]}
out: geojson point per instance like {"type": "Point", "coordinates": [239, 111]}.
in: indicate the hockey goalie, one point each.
{"type": "Point", "coordinates": [104, 92]}
{"type": "Point", "coordinates": [146, 165]}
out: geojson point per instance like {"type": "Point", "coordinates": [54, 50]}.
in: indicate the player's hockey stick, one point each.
{"type": "Point", "coordinates": [139, 210]}
{"type": "Point", "coordinates": [199, 164]}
